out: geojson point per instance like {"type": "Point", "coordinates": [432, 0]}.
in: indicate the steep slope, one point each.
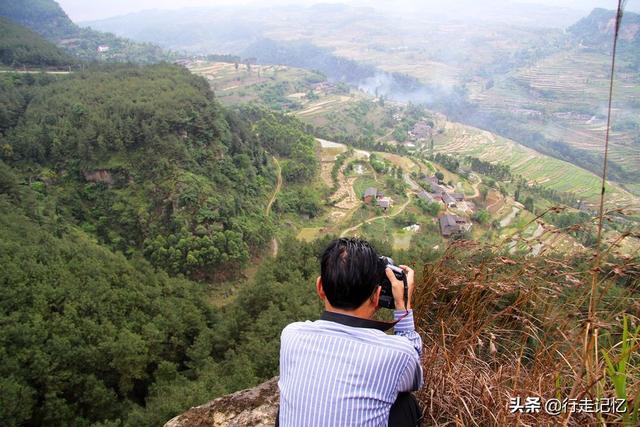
{"type": "Point", "coordinates": [125, 193]}
{"type": "Point", "coordinates": [145, 159]}
{"type": "Point", "coordinates": [596, 29]}
{"type": "Point", "coordinates": [44, 16]}
{"type": "Point", "coordinates": [20, 46]}
{"type": "Point", "coordinates": [84, 329]}
{"type": "Point", "coordinates": [47, 18]}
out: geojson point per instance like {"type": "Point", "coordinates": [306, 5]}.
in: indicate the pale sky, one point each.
{"type": "Point", "coordinates": [83, 10]}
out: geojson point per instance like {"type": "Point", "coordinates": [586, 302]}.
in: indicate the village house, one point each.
{"type": "Point", "coordinates": [385, 202]}
{"type": "Point", "coordinates": [370, 194]}
{"type": "Point", "coordinates": [432, 180]}
{"type": "Point", "coordinates": [458, 196]}
{"type": "Point", "coordinates": [451, 225]}
{"type": "Point", "coordinates": [449, 201]}
{"type": "Point", "coordinates": [425, 195]}
{"type": "Point", "coordinates": [421, 131]}
{"type": "Point", "coordinates": [432, 183]}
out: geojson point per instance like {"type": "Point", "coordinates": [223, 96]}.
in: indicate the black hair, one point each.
{"type": "Point", "coordinates": [350, 272]}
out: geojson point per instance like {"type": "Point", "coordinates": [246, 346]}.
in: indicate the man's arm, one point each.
{"type": "Point", "coordinates": [411, 376]}
{"type": "Point", "coordinates": [404, 315]}
{"type": "Point", "coordinates": [406, 328]}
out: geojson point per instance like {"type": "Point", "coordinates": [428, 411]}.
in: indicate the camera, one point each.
{"type": "Point", "coordinates": [386, 295]}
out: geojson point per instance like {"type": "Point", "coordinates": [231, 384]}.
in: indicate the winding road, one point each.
{"type": "Point", "coordinates": [398, 212]}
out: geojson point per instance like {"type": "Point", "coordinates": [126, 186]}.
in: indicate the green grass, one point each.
{"type": "Point", "coordinates": [309, 234]}
{"type": "Point", "coordinates": [402, 240]}
{"type": "Point", "coordinates": [363, 182]}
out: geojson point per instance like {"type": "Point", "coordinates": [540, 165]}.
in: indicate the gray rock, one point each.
{"type": "Point", "coordinates": [256, 406]}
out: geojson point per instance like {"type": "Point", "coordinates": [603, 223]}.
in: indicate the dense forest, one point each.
{"type": "Point", "coordinates": [47, 18]}
{"type": "Point", "coordinates": [124, 192]}
{"type": "Point", "coordinates": [20, 46]}
{"type": "Point", "coordinates": [90, 336]}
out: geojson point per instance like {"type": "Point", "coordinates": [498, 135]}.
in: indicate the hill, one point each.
{"type": "Point", "coordinates": [20, 46]}
{"type": "Point", "coordinates": [143, 157]}
{"type": "Point", "coordinates": [44, 16]}
{"type": "Point", "coordinates": [47, 18]}
{"type": "Point", "coordinates": [126, 194]}
{"type": "Point", "coordinates": [596, 29]}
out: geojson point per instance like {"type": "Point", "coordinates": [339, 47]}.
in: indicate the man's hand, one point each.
{"type": "Point", "coordinates": [398, 287]}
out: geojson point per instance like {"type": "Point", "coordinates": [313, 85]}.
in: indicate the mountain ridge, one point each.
{"type": "Point", "coordinates": [47, 18]}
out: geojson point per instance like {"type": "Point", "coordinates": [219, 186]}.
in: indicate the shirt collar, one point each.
{"type": "Point", "coordinates": [356, 322]}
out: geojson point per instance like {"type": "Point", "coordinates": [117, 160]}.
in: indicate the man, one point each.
{"type": "Point", "coordinates": [343, 370]}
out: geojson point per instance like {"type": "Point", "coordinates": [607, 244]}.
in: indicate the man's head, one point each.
{"type": "Point", "coordinates": [349, 273]}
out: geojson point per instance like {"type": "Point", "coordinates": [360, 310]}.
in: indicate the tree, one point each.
{"type": "Point", "coordinates": [482, 216]}
{"type": "Point", "coordinates": [529, 204]}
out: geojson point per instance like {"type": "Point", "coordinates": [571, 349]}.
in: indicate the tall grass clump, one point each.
{"type": "Point", "coordinates": [497, 326]}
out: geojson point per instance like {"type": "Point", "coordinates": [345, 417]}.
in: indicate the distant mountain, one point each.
{"type": "Point", "coordinates": [20, 46]}
{"type": "Point", "coordinates": [43, 16]}
{"type": "Point", "coordinates": [596, 30]}
{"type": "Point", "coordinates": [47, 18]}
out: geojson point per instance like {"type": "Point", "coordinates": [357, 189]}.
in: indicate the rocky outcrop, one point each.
{"type": "Point", "coordinates": [256, 406]}
{"type": "Point", "coordinates": [100, 175]}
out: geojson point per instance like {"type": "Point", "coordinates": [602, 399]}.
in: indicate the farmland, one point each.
{"type": "Point", "coordinates": [332, 110]}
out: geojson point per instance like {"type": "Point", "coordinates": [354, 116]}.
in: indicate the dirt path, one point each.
{"type": "Point", "coordinates": [34, 72]}
{"type": "Point", "coordinates": [476, 188]}
{"type": "Point", "coordinates": [267, 211]}
{"type": "Point", "coordinates": [398, 212]}
{"type": "Point", "coordinates": [507, 219]}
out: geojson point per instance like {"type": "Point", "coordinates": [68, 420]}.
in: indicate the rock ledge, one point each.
{"type": "Point", "coordinates": [256, 406]}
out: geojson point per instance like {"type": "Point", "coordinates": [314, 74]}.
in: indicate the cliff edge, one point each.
{"type": "Point", "coordinates": [256, 406]}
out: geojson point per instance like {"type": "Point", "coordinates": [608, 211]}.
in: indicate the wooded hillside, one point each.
{"type": "Point", "coordinates": [22, 47]}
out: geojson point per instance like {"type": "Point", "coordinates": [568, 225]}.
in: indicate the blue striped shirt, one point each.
{"type": "Point", "coordinates": [332, 374]}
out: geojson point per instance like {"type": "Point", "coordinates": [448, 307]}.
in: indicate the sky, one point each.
{"type": "Point", "coordinates": [83, 10]}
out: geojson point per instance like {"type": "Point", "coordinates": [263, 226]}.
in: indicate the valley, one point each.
{"type": "Point", "coordinates": [342, 113]}
{"type": "Point", "coordinates": [543, 87]}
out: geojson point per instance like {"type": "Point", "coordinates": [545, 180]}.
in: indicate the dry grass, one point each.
{"type": "Point", "coordinates": [495, 328]}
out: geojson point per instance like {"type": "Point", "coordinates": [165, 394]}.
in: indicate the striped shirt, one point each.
{"type": "Point", "coordinates": [332, 374]}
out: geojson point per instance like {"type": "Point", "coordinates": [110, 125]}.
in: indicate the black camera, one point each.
{"type": "Point", "coordinates": [386, 295]}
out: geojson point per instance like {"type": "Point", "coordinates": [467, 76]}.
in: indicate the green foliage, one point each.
{"type": "Point", "coordinates": [46, 15]}
{"type": "Point", "coordinates": [83, 327]}
{"type": "Point", "coordinates": [20, 46]}
{"type": "Point", "coordinates": [299, 200]}
{"type": "Point", "coordinates": [431, 208]}
{"type": "Point", "coordinates": [335, 170]}
{"type": "Point", "coordinates": [482, 216]}
{"type": "Point", "coordinates": [286, 136]}
{"type": "Point", "coordinates": [449, 162]}
{"type": "Point", "coordinates": [618, 370]}
{"type": "Point", "coordinates": [578, 224]}
{"type": "Point", "coordinates": [91, 337]}
{"type": "Point", "coordinates": [145, 159]}
{"type": "Point", "coordinates": [378, 164]}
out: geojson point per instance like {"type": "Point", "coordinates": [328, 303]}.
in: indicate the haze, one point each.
{"type": "Point", "coordinates": [80, 10]}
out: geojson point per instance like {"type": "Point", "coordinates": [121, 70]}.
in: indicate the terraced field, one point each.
{"type": "Point", "coordinates": [349, 113]}
{"type": "Point", "coordinates": [548, 171]}
{"type": "Point", "coordinates": [564, 97]}
{"type": "Point", "coordinates": [273, 84]}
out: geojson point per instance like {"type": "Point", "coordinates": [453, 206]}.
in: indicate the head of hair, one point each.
{"type": "Point", "coordinates": [350, 272]}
